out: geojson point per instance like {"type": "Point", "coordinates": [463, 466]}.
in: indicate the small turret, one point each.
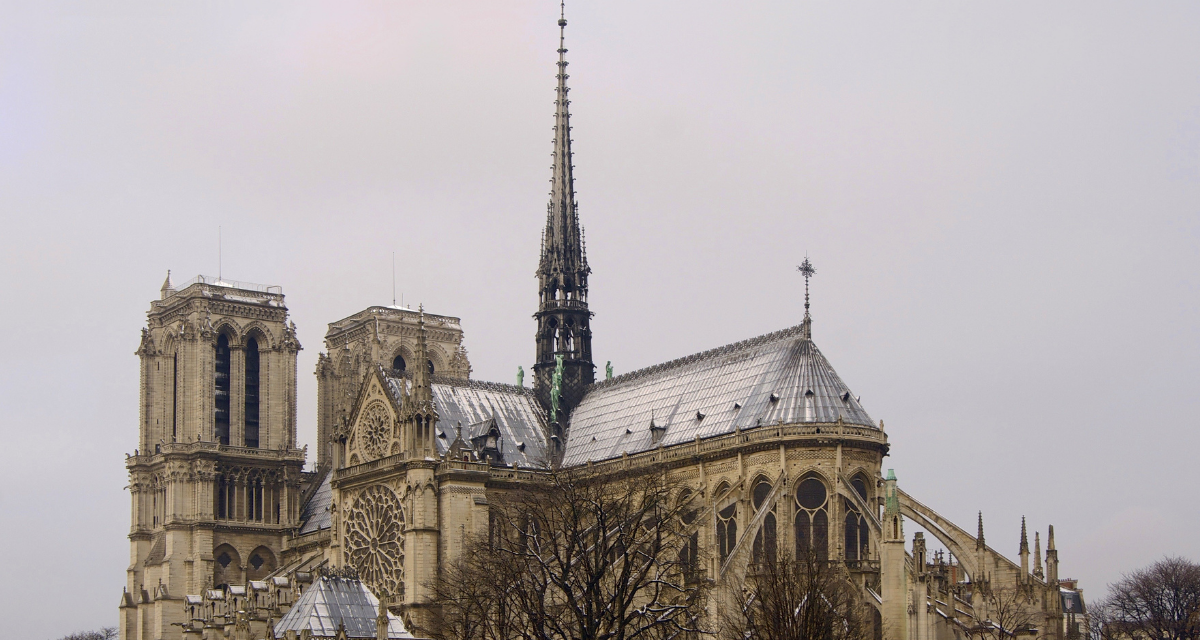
{"type": "Point", "coordinates": [167, 289]}
{"type": "Point", "coordinates": [1024, 551]}
{"type": "Point", "coordinates": [1037, 556]}
{"type": "Point", "coordinates": [1051, 558]}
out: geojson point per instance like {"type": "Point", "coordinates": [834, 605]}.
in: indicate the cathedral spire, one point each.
{"type": "Point", "coordinates": [562, 245]}
{"type": "Point", "coordinates": [979, 543]}
{"type": "Point", "coordinates": [564, 336]}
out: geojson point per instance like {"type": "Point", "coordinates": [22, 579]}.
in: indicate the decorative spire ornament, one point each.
{"type": "Point", "coordinates": [808, 271]}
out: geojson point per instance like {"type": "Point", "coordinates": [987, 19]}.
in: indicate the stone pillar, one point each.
{"type": "Point", "coordinates": [894, 576]}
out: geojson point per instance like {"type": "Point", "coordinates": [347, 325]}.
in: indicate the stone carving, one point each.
{"type": "Point", "coordinates": [376, 430]}
{"type": "Point", "coordinates": [375, 540]}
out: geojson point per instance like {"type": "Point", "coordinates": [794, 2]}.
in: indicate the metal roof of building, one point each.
{"type": "Point", "coordinates": [333, 601]}
{"type": "Point", "coordinates": [461, 403]}
{"type": "Point", "coordinates": [774, 378]}
{"type": "Point", "coordinates": [316, 514]}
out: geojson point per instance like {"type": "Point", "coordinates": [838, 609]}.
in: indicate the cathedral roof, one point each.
{"type": "Point", "coordinates": [778, 377]}
{"type": "Point", "coordinates": [333, 601]}
{"type": "Point", "coordinates": [316, 514]}
{"type": "Point", "coordinates": [461, 403]}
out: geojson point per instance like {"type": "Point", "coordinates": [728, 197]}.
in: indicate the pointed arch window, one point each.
{"type": "Point", "coordinates": [689, 550]}
{"type": "Point", "coordinates": [252, 371]}
{"type": "Point", "coordinates": [174, 396]}
{"type": "Point", "coordinates": [221, 391]}
{"type": "Point", "coordinates": [765, 542]}
{"type": "Point", "coordinates": [857, 533]}
{"type": "Point", "coordinates": [726, 527]}
{"type": "Point", "coordinates": [812, 518]}
{"type": "Point", "coordinates": [398, 365]}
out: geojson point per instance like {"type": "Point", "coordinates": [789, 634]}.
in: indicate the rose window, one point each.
{"type": "Point", "coordinates": [376, 430]}
{"type": "Point", "coordinates": [375, 540]}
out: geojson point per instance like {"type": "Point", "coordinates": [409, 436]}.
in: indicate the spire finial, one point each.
{"type": "Point", "coordinates": [808, 271]}
{"type": "Point", "coordinates": [1024, 538]}
{"type": "Point", "coordinates": [979, 543]}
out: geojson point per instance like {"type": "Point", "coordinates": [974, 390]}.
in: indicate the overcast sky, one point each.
{"type": "Point", "coordinates": [1000, 200]}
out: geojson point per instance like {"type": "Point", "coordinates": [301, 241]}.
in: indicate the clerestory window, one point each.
{"type": "Point", "coordinates": [812, 519]}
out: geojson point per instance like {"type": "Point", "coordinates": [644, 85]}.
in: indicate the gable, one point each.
{"type": "Point", "coordinates": [374, 430]}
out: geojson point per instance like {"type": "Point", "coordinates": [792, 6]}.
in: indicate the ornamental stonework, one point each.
{"type": "Point", "coordinates": [375, 540]}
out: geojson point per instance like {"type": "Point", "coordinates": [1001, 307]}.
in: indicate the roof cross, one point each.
{"type": "Point", "coordinates": [807, 270]}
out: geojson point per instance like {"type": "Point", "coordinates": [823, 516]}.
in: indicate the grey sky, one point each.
{"type": "Point", "coordinates": [1001, 200]}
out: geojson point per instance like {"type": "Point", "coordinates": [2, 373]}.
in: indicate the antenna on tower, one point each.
{"type": "Point", "coordinates": [219, 278]}
{"type": "Point", "coordinates": [393, 278]}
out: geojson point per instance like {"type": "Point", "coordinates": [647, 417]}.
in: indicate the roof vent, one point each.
{"type": "Point", "coordinates": [737, 405]}
{"type": "Point", "coordinates": [775, 397]}
{"type": "Point", "coordinates": [656, 432]}
{"type": "Point", "coordinates": [699, 416]}
{"type": "Point", "coordinates": [627, 432]}
{"type": "Point", "coordinates": [520, 446]}
{"type": "Point", "coordinates": [441, 434]}
{"type": "Point", "coordinates": [809, 393]}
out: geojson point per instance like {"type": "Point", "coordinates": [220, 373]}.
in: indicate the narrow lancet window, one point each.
{"type": "Point", "coordinates": [221, 391]}
{"type": "Point", "coordinates": [252, 393]}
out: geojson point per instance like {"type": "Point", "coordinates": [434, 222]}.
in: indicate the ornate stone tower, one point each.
{"type": "Point", "coordinates": [215, 480]}
{"type": "Point", "coordinates": [563, 320]}
{"type": "Point", "coordinates": [386, 336]}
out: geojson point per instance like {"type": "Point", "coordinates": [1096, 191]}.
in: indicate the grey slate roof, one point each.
{"type": "Point", "coordinates": [780, 376]}
{"type": "Point", "coordinates": [462, 403]}
{"type": "Point", "coordinates": [315, 514]}
{"type": "Point", "coordinates": [331, 601]}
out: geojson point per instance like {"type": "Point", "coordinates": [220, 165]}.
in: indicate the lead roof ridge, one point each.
{"type": "Point", "coordinates": [701, 356]}
{"type": "Point", "coordinates": [467, 382]}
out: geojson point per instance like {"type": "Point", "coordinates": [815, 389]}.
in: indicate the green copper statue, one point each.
{"type": "Point", "coordinates": [608, 370]}
{"type": "Point", "coordinates": [556, 387]}
{"type": "Point", "coordinates": [520, 376]}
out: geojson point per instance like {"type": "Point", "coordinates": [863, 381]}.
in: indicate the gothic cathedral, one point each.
{"type": "Point", "coordinates": [228, 528]}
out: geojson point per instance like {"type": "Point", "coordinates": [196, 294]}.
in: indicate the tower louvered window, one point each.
{"type": "Point", "coordinates": [221, 391]}
{"type": "Point", "coordinates": [252, 392]}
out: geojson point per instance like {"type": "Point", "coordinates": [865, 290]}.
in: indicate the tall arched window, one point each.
{"type": "Point", "coordinates": [252, 393]}
{"type": "Point", "coordinates": [812, 518]}
{"type": "Point", "coordinates": [221, 391]}
{"type": "Point", "coordinates": [858, 535]}
{"type": "Point", "coordinates": [689, 550]}
{"type": "Point", "coordinates": [727, 530]}
{"type": "Point", "coordinates": [398, 364]}
{"type": "Point", "coordinates": [174, 396]}
{"type": "Point", "coordinates": [765, 545]}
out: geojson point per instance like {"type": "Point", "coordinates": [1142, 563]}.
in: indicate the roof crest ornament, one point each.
{"type": "Point", "coordinates": [808, 271]}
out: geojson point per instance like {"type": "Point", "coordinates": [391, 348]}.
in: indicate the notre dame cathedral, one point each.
{"type": "Point", "coordinates": [409, 448]}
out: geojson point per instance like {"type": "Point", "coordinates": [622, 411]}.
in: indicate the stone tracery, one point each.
{"type": "Point", "coordinates": [375, 540]}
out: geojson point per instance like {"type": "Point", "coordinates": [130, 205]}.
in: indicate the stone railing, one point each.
{"type": "Point", "coordinates": [729, 443]}
{"type": "Point", "coordinates": [213, 447]}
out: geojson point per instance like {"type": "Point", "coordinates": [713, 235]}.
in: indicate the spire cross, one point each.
{"type": "Point", "coordinates": [808, 271]}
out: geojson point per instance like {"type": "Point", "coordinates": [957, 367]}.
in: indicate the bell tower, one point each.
{"type": "Point", "coordinates": [215, 479]}
{"type": "Point", "coordinates": [563, 320]}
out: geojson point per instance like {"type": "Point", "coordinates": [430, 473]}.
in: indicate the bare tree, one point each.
{"type": "Point", "coordinates": [1160, 602]}
{"type": "Point", "coordinates": [1005, 614]}
{"type": "Point", "coordinates": [105, 633]}
{"type": "Point", "coordinates": [801, 598]}
{"type": "Point", "coordinates": [577, 558]}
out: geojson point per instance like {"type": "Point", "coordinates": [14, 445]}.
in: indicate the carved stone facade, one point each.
{"type": "Point", "coordinates": [215, 482]}
{"type": "Point", "coordinates": [383, 336]}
